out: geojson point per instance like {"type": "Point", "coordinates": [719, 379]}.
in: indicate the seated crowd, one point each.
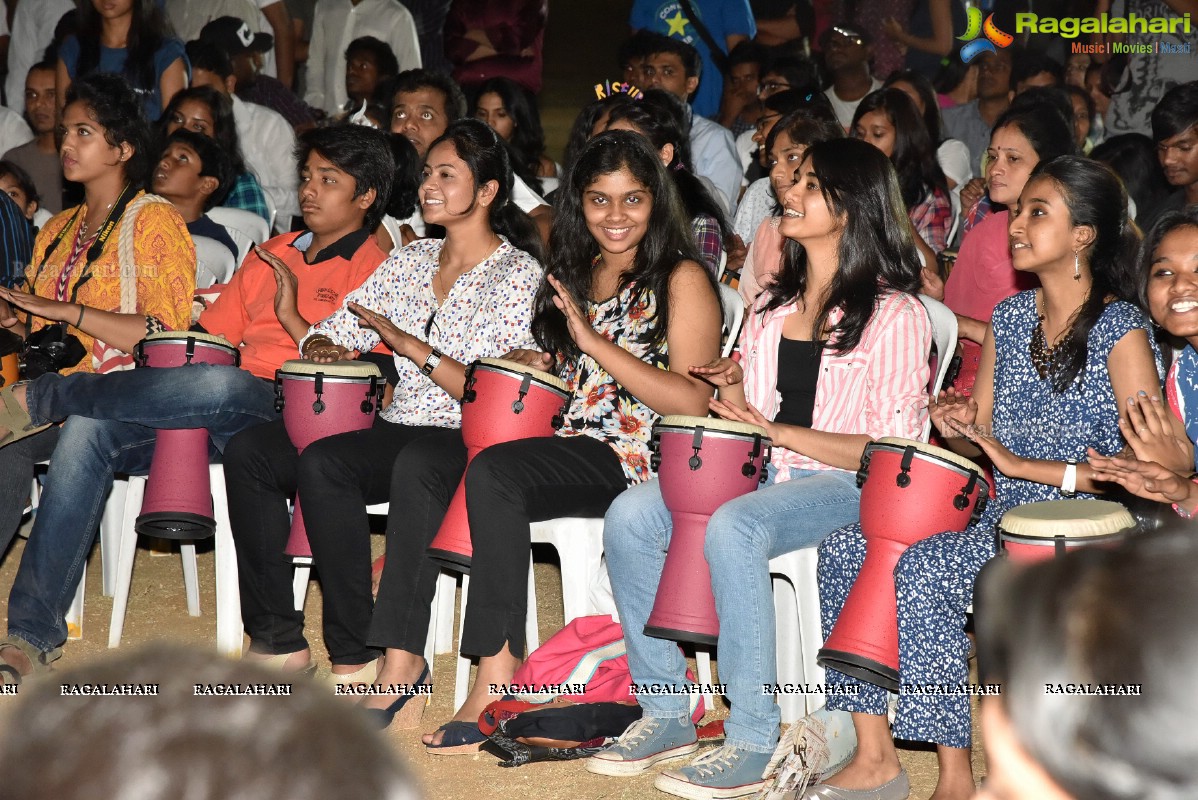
{"type": "Point", "coordinates": [421, 226]}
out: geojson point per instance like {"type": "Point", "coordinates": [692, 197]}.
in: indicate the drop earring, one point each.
{"type": "Point", "coordinates": [1077, 267]}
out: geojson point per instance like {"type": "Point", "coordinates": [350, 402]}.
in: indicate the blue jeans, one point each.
{"type": "Point", "coordinates": [110, 428]}
{"type": "Point", "coordinates": [742, 537]}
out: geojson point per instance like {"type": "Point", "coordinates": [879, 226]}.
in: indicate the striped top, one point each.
{"type": "Point", "coordinates": [879, 389]}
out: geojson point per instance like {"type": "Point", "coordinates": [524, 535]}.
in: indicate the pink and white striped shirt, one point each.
{"type": "Point", "coordinates": [879, 389]}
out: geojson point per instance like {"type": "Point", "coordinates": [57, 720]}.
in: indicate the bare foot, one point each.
{"type": "Point", "coordinates": [298, 661]}
{"type": "Point", "coordinates": [496, 669]}
{"type": "Point", "coordinates": [863, 774]}
{"type": "Point", "coordinates": [18, 394]}
{"type": "Point", "coordinates": [955, 788]}
{"type": "Point", "coordinates": [399, 668]}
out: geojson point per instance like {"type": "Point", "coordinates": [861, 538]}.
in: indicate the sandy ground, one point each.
{"type": "Point", "coordinates": [157, 612]}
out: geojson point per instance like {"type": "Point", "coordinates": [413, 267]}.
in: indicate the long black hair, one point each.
{"type": "Point", "coordinates": [1096, 198]}
{"type": "Point", "coordinates": [528, 137]}
{"type": "Point", "coordinates": [1133, 158]}
{"type": "Point", "coordinates": [585, 122]}
{"type": "Point", "coordinates": [668, 239]}
{"type": "Point", "coordinates": [660, 117]}
{"type": "Point", "coordinates": [876, 252]}
{"type": "Point", "coordinates": [914, 156]}
{"type": "Point", "coordinates": [927, 96]}
{"type": "Point", "coordinates": [224, 127]}
{"type": "Point", "coordinates": [486, 156]}
{"type": "Point", "coordinates": [147, 31]}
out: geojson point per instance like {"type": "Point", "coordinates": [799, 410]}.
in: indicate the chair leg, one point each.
{"type": "Point", "coordinates": [299, 584]}
{"type": "Point", "coordinates": [228, 595]}
{"type": "Point", "coordinates": [532, 634]}
{"type": "Point", "coordinates": [74, 615]}
{"type": "Point", "coordinates": [124, 569]}
{"type": "Point", "coordinates": [111, 525]}
{"type": "Point", "coordinates": [191, 579]}
{"type": "Point", "coordinates": [447, 589]}
{"type": "Point", "coordinates": [791, 667]}
{"type": "Point", "coordinates": [703, 672]}
{"type": "Point", "coordinates": [461, 682]}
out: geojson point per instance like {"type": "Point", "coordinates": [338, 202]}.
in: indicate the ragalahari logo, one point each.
{"type": "Point", "coordinates": [976, 46]}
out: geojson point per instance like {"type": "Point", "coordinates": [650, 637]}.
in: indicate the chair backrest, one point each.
{"type": "Point", "coordinates": [273, 210]}
{"type": "Point", "coordinates": [954, 198]}
{"type": "Point", "coordinates": [243, 242]}
{"type": "Point", "coordinates": [719, 273]}
{"type": "Point", "coordinates": [214, 262]}
{"type": "Point", "coordinates": [944, 344]}
{"type": "Point", "coordinates": [734, 314]}
{"type": "Point", "coordinates": [249, 223]}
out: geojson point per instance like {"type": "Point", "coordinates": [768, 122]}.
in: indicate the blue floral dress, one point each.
{"type": "Point", "coordinates": [934, 578]}
{"type": "Point", "coordinates": [602, 408]}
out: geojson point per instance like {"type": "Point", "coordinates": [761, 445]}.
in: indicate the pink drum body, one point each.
{"type": "Point", "coordinates": [907, 496]}
{"type": "Point", "coordinates": [1027, 549]}
{"type": "Point", "coordinates": [178, 494]}
{"type": "Point", "coordinates": [315, 406]}
{"type": "Point", "coordinates": [700, 470]}
{"type": "Point", "coordinates": [499, 405]}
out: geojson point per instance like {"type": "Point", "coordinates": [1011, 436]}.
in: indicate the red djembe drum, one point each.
{"type": "Point", "coordinates": [910, 491]}
{"type": "Point", "coordinates": [178, 495]}
{"type": "Point", "coordinates": [1036, 531]}
{"type": "Point", "coordinates": [503, 401]}
{"type": "Point", "coordinates": [702, 463]}
{"type": "Point", "coordinates": [319, 400]}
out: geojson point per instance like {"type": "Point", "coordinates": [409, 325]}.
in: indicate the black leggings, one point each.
{"type": "Point", "coordinates": [508, 486]}
{"type": "Point", "coordinates": [337, 477]}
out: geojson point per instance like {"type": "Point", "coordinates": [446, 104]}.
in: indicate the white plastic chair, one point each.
{"type": "Point", "coordinates": [723, 265]}
{"type": "Point", "coordinates": [944, 344]}
{"type": "Point", "coordinates": [273, 211]}
{"type": "Point", "coordinates": [733, 307]}
{"type": "Point", "coordinates": [247, 222]}
{"type": "Point", "coordinates": [228, 598]}
{"type": "Point", "coordinates": [797, 629]}
{"type": "Point", "coordinates": [214, 262]}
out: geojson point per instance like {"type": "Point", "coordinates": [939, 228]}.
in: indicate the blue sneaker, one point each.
{"type": "Point", "coordinates": [726, 771]}
{"type": "Point", "coordinates": [645, 742]}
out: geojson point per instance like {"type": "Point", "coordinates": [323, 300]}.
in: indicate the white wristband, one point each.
{"type": "Point", "coordinates": [1069, 483]}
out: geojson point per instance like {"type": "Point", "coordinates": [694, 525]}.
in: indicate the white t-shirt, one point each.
{"type": "Point", "coordinates": [846, 108]}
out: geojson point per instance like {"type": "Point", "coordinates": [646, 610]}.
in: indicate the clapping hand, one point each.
{"type": "Point", "coordinates": [952, 412]}
{"type": "Point", "coordinates": [1154, 434]}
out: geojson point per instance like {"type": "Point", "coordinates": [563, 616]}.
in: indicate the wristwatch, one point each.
{"type": "Point", "coordinates": [431, 362]}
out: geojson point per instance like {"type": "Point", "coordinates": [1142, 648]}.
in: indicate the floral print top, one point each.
{"type": "Point", "coordinates": [602, 408]}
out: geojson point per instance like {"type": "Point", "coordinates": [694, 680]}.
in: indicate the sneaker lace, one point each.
{"type": "Point", "coordinates": [722, 759]}
{"type": "Point", "coordinates": [638, 731]}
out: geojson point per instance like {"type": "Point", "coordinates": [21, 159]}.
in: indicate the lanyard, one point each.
{"type": "Point", "coordinates": [97, 247]}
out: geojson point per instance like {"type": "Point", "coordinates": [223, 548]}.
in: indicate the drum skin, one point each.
{"type": "Point", "coordinates": [695, 482]}
{"type": "Point", "coordinates": [503, 402]}
{"type": "Point", "coordinates": [909, 493]}
{"type": "Point", "coordinates": [319, 400]}
{"type": "Point", "coordinates": [1038, 531]}
{"type": "Point", "coordinates": [178, 493]}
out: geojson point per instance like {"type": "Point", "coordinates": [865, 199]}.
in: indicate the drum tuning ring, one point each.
{"type": "Point", "coordinates": [318, 407]}
{"type": "Point", "coordinates": [961, 502]}
{"type": "Point", "coordinates": [469, 396]}
{"type": "Point", "coordinates": [655, 461]}
{"type": "Point", "coordinates": [694, 462]}
{"type": "Point", "coordinates": [278, 405]}
{"type": "Point", "coordinates": [557, 422]}
{"type": "Point", "coordinates": [903, 480]}
{"type": "Point", "coordinates": [367, 406]}
{"type": "Point", "coordinates": [748, 470]}
{"type": "Point", "coordinates": [517, 406]}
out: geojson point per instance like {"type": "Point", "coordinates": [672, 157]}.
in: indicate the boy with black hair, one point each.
{"type": "Point", "coordinates": [1036, 69]}
{"type": "Point", "coordinates": [1175, 133]}
{"type": "Point", "coordinates": [369, 65]}
{"type": "Point", "coordinates": [847, 53]}
{"type": "Point", "coordinates": [673, 65]}
{"type": "Point", "coordinates": [195, 174]}
{"type": "Point", "coordinates": [111, 419]}
{"type": "Point", "coordinates": [266, 138]}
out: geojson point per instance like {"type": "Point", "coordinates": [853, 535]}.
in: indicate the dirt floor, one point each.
{"type": "Point", "coordinates": [157, 611]}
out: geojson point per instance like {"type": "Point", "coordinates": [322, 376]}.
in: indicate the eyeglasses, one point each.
{"type": "Point", "coordinates": [771, 87]}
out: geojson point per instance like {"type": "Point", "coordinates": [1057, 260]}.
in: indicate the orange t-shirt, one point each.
{"type": "Point", "coordinates": [244, 313]}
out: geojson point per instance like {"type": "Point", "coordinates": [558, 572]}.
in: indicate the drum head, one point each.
{"type": "Point", "coordinates": [346, 370]}
{"type": "Point", "coordinates": [714, 424]}
{"type": "Point", "coordinates": [930, 450]}
{"type": "Point", "coordinates": [1069, 518]}
{"type": "Point", "coordinates": [179, 337]}
{"type": "Point", "coordinates": [520, 369]}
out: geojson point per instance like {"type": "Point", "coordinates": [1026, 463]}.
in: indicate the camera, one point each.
{"type": "Point", "coordinates": [51, 349]}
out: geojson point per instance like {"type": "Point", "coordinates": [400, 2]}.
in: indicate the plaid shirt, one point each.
{"type": "Point", "coordinates": [707, 237]}
{"type": "Point", "coordinates": [247, 194]}
{"type": "Point", "coordinates": [932, 218]}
